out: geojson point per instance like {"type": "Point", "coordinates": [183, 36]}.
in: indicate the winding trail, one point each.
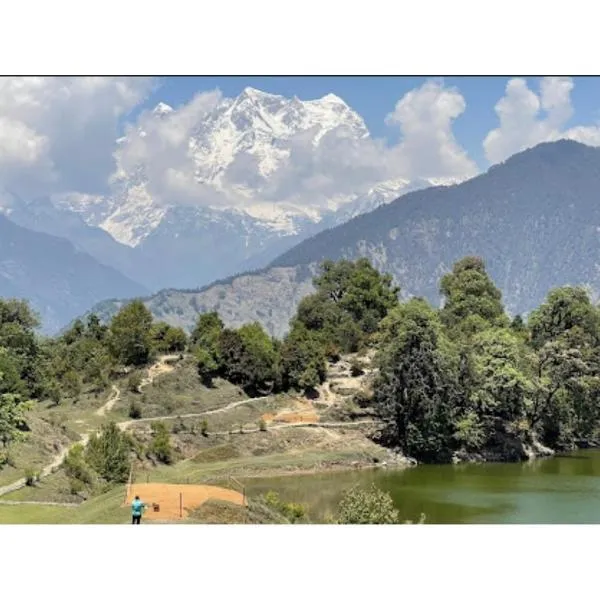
{"type": "Point", "coordinates": [159, 368]}
{"type": "Point", "coordinates": [123, 425]}
{"type": "Point", "coordinates": [108, 406]}
{"type": "Point", "coordinates": [154, 371]}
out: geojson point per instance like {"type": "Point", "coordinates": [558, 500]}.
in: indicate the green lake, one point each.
{"type": "Point", "coordinates": [559, 490]}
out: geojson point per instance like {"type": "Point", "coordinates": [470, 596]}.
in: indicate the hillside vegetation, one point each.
{"type": "Point", "coordinates": [361, 378]}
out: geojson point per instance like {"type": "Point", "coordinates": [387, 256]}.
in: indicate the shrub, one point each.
{"type": "Point", "coordinates": [262, 425]}
{"type": "Point", "coordinates": [161, 443]}
{"type": "Point", "coordinates": [109, 454]}
{"type": "Point", "coordinates": [135, 410]}
{"type": "Point", "coordinates": [30, 477]}
{"type": "Point", "coordinates": [204, 428]}
{"type": "Point", "coordinates": [356, 368]}
{"type": "Point", "coordinates": [292, 511]}
{"type": "Point", "coordinates": [371, 506]}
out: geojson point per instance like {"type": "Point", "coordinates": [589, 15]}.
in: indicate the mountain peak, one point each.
{"type": "Point", "coordinates": [162, 109]}
{"type": "Point", "coordinates": [256, 94]}
{"type": "Point", "coordinates": [332, 99]}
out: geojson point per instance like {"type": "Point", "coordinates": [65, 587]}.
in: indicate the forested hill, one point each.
{"type": "Point", "coordinates": [534, 219]}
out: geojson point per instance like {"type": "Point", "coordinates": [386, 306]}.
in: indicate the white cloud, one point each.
{"type": "Point", "coordinates": [527, 118]}
{"type": "Point", "coordinates": [428, 147]}
{"type": "Point", "coordinates": [57, 133]}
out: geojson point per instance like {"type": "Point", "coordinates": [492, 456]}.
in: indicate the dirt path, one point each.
{"type": "Point", "coordinates": [159, 368]}
{"type": "Point", "coordinates": [108, 406]}
{"type": "Point", "coordinates": [329, 425]}
{"type": "Point", "coordinates": [123, 425]}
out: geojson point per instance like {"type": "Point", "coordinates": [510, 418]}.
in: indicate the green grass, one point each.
{"type": "Point", "coordinates": [104, 509]}
{"type": "Point", "coordinates": [54, 488]}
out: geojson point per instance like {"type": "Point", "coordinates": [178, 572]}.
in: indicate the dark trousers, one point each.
{"type": "Point", "coordinates": [135, 519]}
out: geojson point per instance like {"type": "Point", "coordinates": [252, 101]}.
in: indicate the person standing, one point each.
{"type": "Point", "coordinates": [137, 508]}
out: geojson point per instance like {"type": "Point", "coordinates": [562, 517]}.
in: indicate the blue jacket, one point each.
{"type": "Point", "coordinates": [137, 506]}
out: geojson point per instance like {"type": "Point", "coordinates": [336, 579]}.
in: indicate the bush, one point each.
{"type": "Point", "coordinates": [372, 506]}
{"type": "Point", "coordinates": [204, 428]}
{"type": "Point", "coordinates": [75, 466]}
{"type": "Point", "coordinates": [292, 511]}
{"type": "Point", "coordinates": [30, 477]}
{"type": "Point", "coordinates": [161, 443]}
{"type": "Point", "coordinates": [262, 425]}
{"type": "Point", "coordinates": [135, 410]}
{"type": "Point", "coordinates": [356, 368]}
{"type": "Point", "coordinates": [109, 454]}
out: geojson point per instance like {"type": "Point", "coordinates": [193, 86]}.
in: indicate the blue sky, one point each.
{"type": "Point", "coordinates": [374, 97]}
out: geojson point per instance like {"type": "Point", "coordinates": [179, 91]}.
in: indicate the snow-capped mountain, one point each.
{"type": "Point", "coordinates": [209, 189]}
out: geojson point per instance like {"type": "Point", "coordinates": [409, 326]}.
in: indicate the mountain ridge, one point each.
{"type": "Point", "coordinates": [59, 280]}
{"type": "Point", "coordinates": [539, 207]}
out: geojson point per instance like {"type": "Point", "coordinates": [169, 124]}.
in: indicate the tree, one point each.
{"type": "Point", "coordinates": [131, 334]}
{"type": "Point", "coordinates": [71, 384]}
{"type": "Point", "coordinates": [302, 360]}
{"type": "Point", "coordinates": [17, 335]}
{"type": "Point", "coordinates": [350, 300]}
{"type": "Point", "coordinates": [12, 418]}
{"type": "Point", "coordinates": [471, 300]}
{"type": "Point", "coordinates": [248, 358]}
{"type": "Point", "coordinates": [500, 389]}
{"type": "Point", "coordinates": [167, 338]}
{"type": "Point", "coordinates": [367, 507]}
{"type": "Point", "coordinates": [207, 331]}
{"type": "Point", "coordinates": [565, 309]}
{"type": "Point", "coordinates": [206, 365]}
{"type": "Point", "coordinates": [175, 340]}
{"type": "Point", "coordinates": [108, 453]}
{"type": "Point", "coordinates": [416, 388]}
{"type": "Point", "coordinates": [561, 374]}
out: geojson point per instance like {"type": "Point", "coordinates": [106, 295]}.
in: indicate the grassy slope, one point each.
{"type": "Point", "coordinates": [204, 459]}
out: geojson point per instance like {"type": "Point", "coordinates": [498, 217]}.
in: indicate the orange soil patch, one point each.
{"type": "Point", "coordinates": [176, 501]}
{"type": "Point", "coordinates": [303, 416]}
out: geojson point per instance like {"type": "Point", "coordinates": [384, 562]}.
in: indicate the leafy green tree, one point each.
{"type": "Point", "coordinates": [109, 453]}
{"type": "Point", "coordinates": [12, 418]}
{"type": "Point", "coordinates": [17, 335]}
{"type": "Point", "coordinates": [565, 309]}
{"type": "Point", "coordinates": [131, 334]}
{"type": "Point", "coordinates": [416, 389]}
{"type": "Point", "coordinates": [350, 300]}
{"type": "Point", "coordinates": [71, 384]}
{"type": "Point", "coordinates": [207, 331]}
{"type": "Point", "coordinates": [175, 340]}
{"type": "Point", "coordinates": [500, 389]}
{"type": "Point", "coordinates": [249, 358]}
{"type": "Point", "coordinates": [95, 329]}
{"type": "Point", "coordinates": [471, 300]}
{"type": "Point", "coordinates": [559, 375]}
{"type": "Point", "coordinates": [302, 360]}
{"type": "Point", "coordinates": [167, 338]}
{"type": "Point", "coordinates": [207, 366]}
{"type": "Point", "coordinates": [367, 507]}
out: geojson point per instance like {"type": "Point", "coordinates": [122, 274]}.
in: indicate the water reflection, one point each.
{"type": "Point", "coordinates": [563, 489]}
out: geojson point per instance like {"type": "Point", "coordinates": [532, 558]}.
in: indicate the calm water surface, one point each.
{"type": "Point", "coordinates": [563, 489]}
